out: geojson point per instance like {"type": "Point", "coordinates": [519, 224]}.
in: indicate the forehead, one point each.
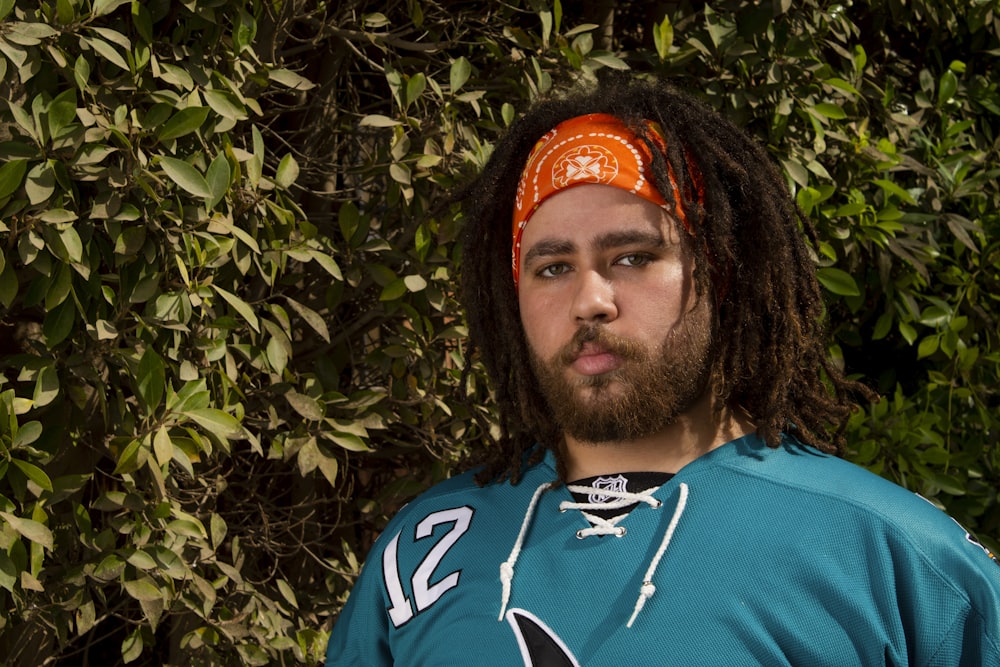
{"type": "Point", "coordinates": [589, 211]}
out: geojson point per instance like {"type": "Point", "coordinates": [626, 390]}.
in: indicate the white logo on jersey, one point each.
{"type": "Point", "coordinates": [617, 483]}
{"type": "Point", "coordinates": [540, 646]}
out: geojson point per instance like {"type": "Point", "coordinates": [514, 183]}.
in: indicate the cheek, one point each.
{"type": "Point", "coordinates": [537, 320]}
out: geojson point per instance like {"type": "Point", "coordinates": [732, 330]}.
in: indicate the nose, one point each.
{"type": "Point", "coordinates": [595, 298]}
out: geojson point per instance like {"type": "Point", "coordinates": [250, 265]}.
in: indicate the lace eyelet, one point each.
{"type": "Point", "coordinates": [579, 535]}
{"type": "Point", "coordinates": [620, 531]}
{"type": "Point", "coordinates": [658, 505]}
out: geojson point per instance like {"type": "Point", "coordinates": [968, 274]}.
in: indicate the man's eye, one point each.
{"type": "Point", "coordinates": [553, 270]}
{"type": "Point", "coordinates": [634, 259]}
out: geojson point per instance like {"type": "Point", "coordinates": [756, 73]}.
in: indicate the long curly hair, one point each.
{"type": "Point", "coordinates": [751, 258]}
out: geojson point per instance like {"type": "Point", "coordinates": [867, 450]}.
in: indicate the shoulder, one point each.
{"type": "Point", "coordinates": [794, 469]}
{"type": "Point", "coordinates": [871, 517]}
{"type": "Point", "coordinates": [492, 506]}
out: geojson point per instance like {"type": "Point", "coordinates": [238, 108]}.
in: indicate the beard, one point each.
{"type": "Point", "coordinates": [647, 393]}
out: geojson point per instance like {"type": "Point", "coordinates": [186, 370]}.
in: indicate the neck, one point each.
{"type": "Point", "coordinates": [698, 431]}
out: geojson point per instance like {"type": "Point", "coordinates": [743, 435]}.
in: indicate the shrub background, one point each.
{"type": "Point", "coordinates": [230, 343]}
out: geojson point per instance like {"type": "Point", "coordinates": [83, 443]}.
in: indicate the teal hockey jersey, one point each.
{"type": "Point", "coordinates": [748, 556]}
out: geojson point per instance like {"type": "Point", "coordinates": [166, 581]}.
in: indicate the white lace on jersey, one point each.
{"type": "Point", "coordinates": [598, 526]}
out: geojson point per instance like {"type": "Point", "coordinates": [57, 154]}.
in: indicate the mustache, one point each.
{"type": "Point", "coordinates": [599, 336]}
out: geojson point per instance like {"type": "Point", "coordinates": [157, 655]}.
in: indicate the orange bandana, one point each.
{"type": "Point", "coordinates": [596, 148]}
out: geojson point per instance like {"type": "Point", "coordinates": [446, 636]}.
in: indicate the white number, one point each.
{"type": "Point", "coordinates": [400, 611]}
{"type": "Point", "coordinates": [424, 592]}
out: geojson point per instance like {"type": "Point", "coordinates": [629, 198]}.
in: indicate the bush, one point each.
{"type": "Point", "coordinates": [231, 347]}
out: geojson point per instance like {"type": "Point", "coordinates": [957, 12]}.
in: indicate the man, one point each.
{"type": "Point", "coordinates": [664, 490]}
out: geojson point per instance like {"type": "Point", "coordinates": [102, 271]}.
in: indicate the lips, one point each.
{"type": "Point", "coordinates": [594, 351]}
{"type": "Point", "coordinates": [597, 364]}
{"type": "Point", "coordinates": [594, 359]}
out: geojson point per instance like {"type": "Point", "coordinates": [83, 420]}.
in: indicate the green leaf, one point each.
{"type": "Point", "coordinates": [415, 87]}
{"type": "Point", "coordinates": [218, 179]}
{"type": "Point", "coordinates": [132, 457]}
{"type": "Point", "coordinates": [415, 283]}
{"type": "Point", "coordinates": [459, 74]}
{"type": "Point", "coordinates": [610, 61]}
{"type": "Point", "coordinates": [311, 317]}
{"type": "Point", "coordinates": [225, 104]}
{"type": "Point", "coordinates": [57, 215]}
{"type": "Point", "coordinates": [663, 37]}
{"type": "Point", "coordinates": [26, 434]}
{"type": "Point", "coordinates": [347, 441]}
{"type": "Point", "coordinates": [102, 7]}
{"type": "Point", "coordinates": [928, 346]}
{"type": "Point", "coordinates": [29, 529]}
{"type": "Point", "coordinates": [252, 655]}
{"type": "Point", "coordinates": [796, 172]}
{"type": "Point", "coordinates": [255, 164]}
{"type": "Point", "coordinates": [176, 76]}
{"type": "Point", "coordinates": [949, 484]}
{"type": "Point", "coordinates": [893, 189]}
{"type": "Point", "coordinates": [947, 87]}
{"type": "Point", "coordinates": [11, 176]}
{"type": "Point", "coordinates": [62, 111]}
{"type": "Point", "coordinates": [393, 290]}
{"type": "Point", "coordinates": [34, 473]}
{"type": "Point", "coordinates": [182, 123]}
{"type": "Point", "coordinates": [72, 244]}
{"type": "Point", "coordinates": [935, 316]}
{"type": "Point", "coordinates": [290, 79]}
{"type": "Point", "coordinates": [287, 592]}
{"type": "Point", "coordinates": [132, 646]}
{"type": "Point", "coordinates": [46, 386]}
{"type": "Point", "coordinates": [215, 421]}
{"type": "Point", "coordinates": [151, 379]}
{"type": "Point", "coordinates": [908, 333]}
{"type": "Point", "coordinates": [143, 22]}
{"type": "Point", "coordinates": [241, 306]}
{"type": "Point", "coordinates": [186, 176]}
{"type": "Point", "coordinates": [244, 30]}
{"type": "Point", "coordinates": [8, 572]}
{"type": "Point", "coordinates": [838, 282]}
{"type": "Point", "coordinates": [288, 171]}
{"type": "Point", "coordinates": [22, 117]}
{"type": "Point", "coordinates": [378, 120]}
{"type": "Point", "coordinates": [41, 182]}
{"type": "Point", "coordinates": [328, 263]}
{"type": "Point", "coordinates": [843, 85]}
{"type": "Point", "coordinates": [8, 285]}
{"type": "Point", "coordinates": [58, 323]}
{"type": "Point", "coordinates": [829, 110]}
{"type": "Point", "coordinates": [218, 528]}
{"type": "Point", "coordinates": [143, 588]}
{"type": "Point", "coordinates": [882, 326]}
{"type": "Point", "coordinates": [348, 218]}
{"type": "Point", "coordinates": [107, 51]}
{"type": "Point", "coordinates": [307, 406]}
{"type": "Point", "coordinates": [81, 73]}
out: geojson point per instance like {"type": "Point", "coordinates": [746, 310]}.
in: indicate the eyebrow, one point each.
{"type": "Point", "coordinates": [548, 248]}
{"type": "Point", "coordinates": [629, 237]}
{"type": "Point", "coordinates": [608, 241]}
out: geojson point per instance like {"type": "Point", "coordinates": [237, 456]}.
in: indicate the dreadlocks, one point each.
{"type": "Point", "coordinates": [751, 259]}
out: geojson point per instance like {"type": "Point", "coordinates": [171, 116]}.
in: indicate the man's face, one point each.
{"type": "Point", "coordinates": [620, 342]}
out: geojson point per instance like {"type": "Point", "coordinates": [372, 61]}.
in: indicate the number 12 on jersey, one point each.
{"type": "Point", "coordinates": [424, 592]}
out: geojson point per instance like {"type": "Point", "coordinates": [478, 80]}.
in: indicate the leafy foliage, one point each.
{"type": "Point", "coordinates": [229, 336]}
